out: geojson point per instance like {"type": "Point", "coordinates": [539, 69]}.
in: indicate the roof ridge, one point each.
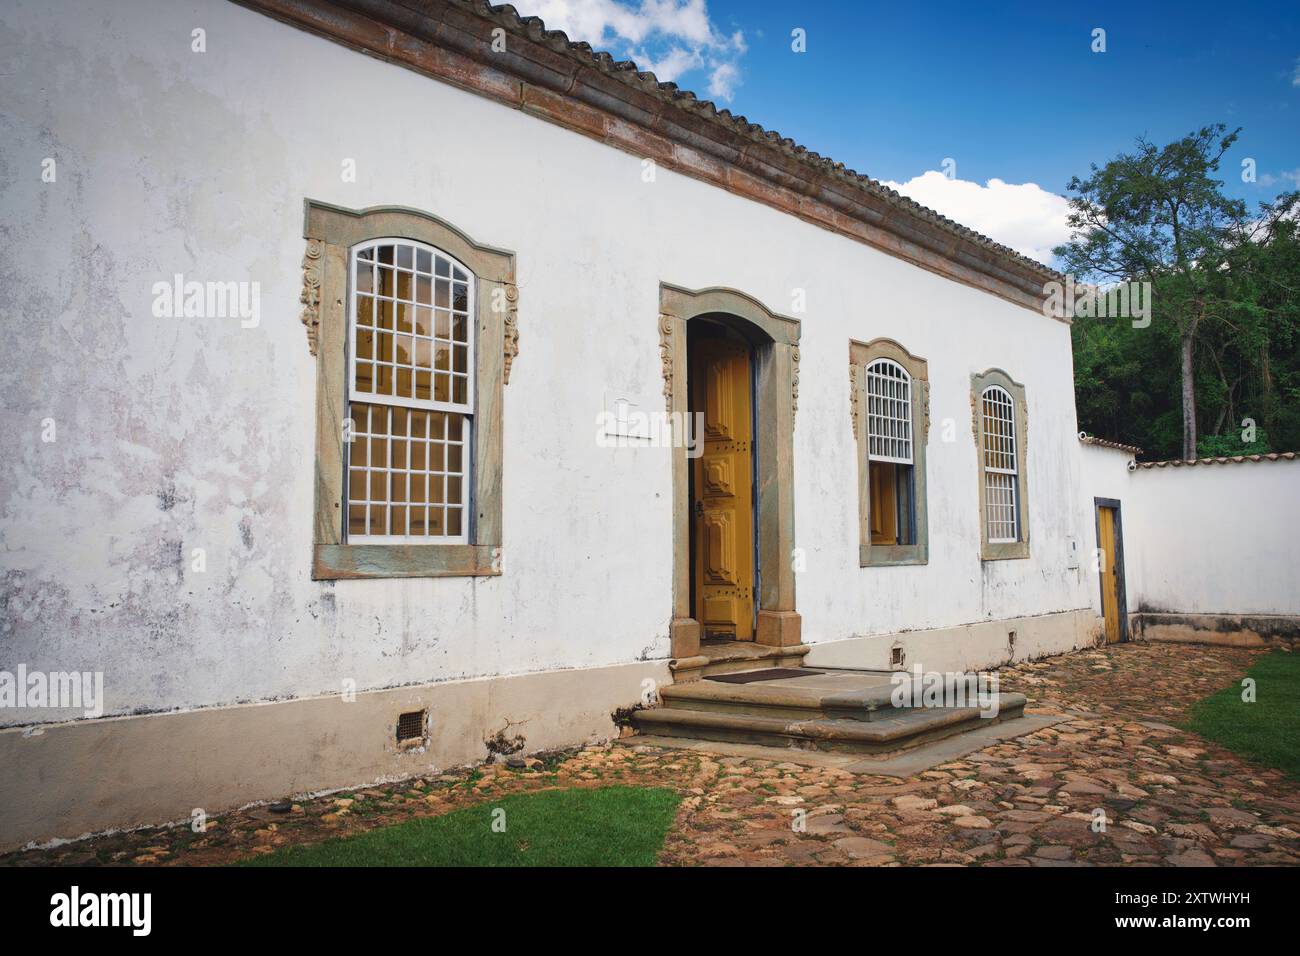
{"type": "Point", "coordinates": [1221, 460]}
{"type": "Point", "coordinates": [1108, 443]}
{"type": "Point", "coordinates": [670, 93]}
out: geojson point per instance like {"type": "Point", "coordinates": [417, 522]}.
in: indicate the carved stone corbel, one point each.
{"type": "Point", "coordinates": [511, 331]}
{"type": "Point", "coordinates": [925, 399]}
{"type": "Point", "coordinates": [310, 296]}
{"type": "Point", "coordinates": [794, 383]}
{"type": "Point", "coordinates": [853, 397]}
{"type": "Point", "coordinates": [666, 358]}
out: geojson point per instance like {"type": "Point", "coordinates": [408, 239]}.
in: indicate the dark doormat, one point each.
{"type": "Point", "coordinates": [774, 673]}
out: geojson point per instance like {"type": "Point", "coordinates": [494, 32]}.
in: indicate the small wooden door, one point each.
{"type": "Point", "coordinates": [723, 491]}
{"type": "Point", "coordinates": [1110, 570]}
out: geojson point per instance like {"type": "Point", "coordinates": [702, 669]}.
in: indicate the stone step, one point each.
{"type": "Point", "coordinates": [899, 731]}
{"type": "Point", "coordinates": [729, 657]}
{"type": "Point", "coordinates": [807, 694]}
{"type": "Point", "coordinates": [801, 694]}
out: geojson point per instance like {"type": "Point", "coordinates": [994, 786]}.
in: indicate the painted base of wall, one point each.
{"type": "Point", "coordinates": [966, 647]}
{"type": "Point", "coordinates": [72, 779]}
{"type": "Point", "coordinates": [1229, 630]}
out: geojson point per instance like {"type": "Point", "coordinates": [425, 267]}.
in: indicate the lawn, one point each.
{"type": "Point", "coordinates": [1268, 730]}
{"type": "Point", "coordinates": [612, 826]}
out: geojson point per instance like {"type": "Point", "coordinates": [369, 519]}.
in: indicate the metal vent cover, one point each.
{"type": "Point", "coordinates": [410, 726]}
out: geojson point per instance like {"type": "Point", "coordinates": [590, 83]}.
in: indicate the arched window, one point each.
{"type": "Point", "coordinates": [889, 412]}
{"type": "Point", "coordinates": [1001, 467]}
{"type": "Point", "coordinates": [889, 450]}
{"type": "Point", "coordinates": [889, 422]}
{"type": "Point", "coordinates": [410, 394]}
{"type": "Point", "coordinates": [413, 327]}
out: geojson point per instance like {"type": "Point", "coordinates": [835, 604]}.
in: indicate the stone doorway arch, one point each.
{"type": "Point", "coordinates": [775, 340]}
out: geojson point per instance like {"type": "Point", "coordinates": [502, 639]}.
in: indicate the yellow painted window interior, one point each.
{"type": "Point", "coordinates": [891, 513]}
{"type": "Point", "coordinates": [884, 503]}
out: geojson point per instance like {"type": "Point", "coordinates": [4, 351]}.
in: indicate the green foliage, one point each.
{"type": "Point", "coordinates": [1267, 730]}
{"type": "Point", "coordinates": [1126, 382]}
{"type": "Point", "coordinates": [1156, 211]}
{"type": "Point", "coordinates": [610, 826]}
{"type": "Point", "coordinates": [1223, 279]}
{"type": "Point", "coordinates": [1226, 446]}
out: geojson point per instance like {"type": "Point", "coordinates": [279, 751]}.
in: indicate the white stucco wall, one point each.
{"type": "Point", "coordinates": [1104, 473]}
{"type": "Point", "coordinates": [1218, 539]}
{"type": "Point", "coordinates": [176, 434]}
{"type": "Point", "coordinates": [1208, 539]}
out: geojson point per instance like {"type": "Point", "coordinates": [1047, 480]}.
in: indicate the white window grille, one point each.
{"type": "Point", "coordinates": [1001, 511]}
{"type": "Point", "coordinates": [410, 394]}
{"type": "Point", "coordinates": [889, 412]}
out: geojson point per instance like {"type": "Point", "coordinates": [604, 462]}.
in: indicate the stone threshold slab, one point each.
{"type": "Point", "coordinates": [903, 764]}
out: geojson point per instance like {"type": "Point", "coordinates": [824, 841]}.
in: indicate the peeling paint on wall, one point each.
{"type": "Point", "coordinates": [164, 537]}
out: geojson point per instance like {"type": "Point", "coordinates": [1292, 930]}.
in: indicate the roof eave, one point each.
{"type": "Point", "coordinates": [542, 73]}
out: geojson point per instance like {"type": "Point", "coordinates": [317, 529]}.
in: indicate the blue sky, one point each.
{"type": "Point", "coordinates": [1012, 93]}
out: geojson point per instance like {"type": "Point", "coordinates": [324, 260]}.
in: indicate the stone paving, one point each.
{"type": "Point", "coordinates": [1115, 783]}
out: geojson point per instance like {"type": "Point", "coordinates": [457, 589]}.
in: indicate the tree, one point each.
{"type": "Point", "coordinates": [1251, 345]}
{"type": "Point", "coordinates": [1159, 215]}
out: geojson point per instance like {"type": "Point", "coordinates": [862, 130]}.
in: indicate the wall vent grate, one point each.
{"type": "Point", "coordinates": [410, 726]}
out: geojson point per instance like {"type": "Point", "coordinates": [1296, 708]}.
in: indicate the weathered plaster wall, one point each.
{"type": "Point", "coordinates": [1104, 474]}
{"type": "Point", "coordinates": [1201, 540]}
{"type": "Point", "coordinates": [966, 647]}
{"type": "Point", "coordinates": [80, 777]}
{"type": "Point", "coordinates": [1218, 539]}
{"type": "Point", "coordinates": [177, 434]}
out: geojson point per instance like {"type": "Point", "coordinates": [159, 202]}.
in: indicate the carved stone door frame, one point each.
{"type": "Point", "coordinates": [776, 357]}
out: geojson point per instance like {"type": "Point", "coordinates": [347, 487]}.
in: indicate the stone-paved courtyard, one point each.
{"type": "Point", "coordinates": [1168, 796]}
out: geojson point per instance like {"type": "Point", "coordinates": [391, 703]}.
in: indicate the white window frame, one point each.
{"type": "Point", "coordinates": [894, 443]}
{"type": "Point", "coordinates": [1005, 448]}
{"type": "Point", "coordinates": [465, 409]}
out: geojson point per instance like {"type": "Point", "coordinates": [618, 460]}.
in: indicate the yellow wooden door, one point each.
{"type": "Point", "coordinates": [723, 505]}
{"type": "Point", "coordinates": [1109, 573]}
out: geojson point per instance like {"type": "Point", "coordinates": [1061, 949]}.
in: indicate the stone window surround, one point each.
{"type": "Point", "coordinates": [978, 383]}
{"type": "Point", "coordinates": [331, 231]}
{"type": "Point", "coordinates": [861, 355]}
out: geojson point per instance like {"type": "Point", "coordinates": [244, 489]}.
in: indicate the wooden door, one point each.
{"type": "Point", "coordinates": [723, 491]}
{"type": "Point", "coordinates": [1110, 570]}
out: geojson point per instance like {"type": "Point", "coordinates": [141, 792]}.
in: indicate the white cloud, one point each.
{"type": "Point", "coordinates": [670, 38]}
{"type": "Point", "coordinates": [723, 81]}
{"type": "Point", "coordinates": [672, 65]}
{"type": "Point", "coordinates": [1295, 77]}
{"type": "Point", "coordinates": [1024, 216]}
{"type": "Point", "coordinates": [1291, 176]}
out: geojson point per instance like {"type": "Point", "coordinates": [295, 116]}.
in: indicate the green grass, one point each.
{"type": "Point", "coordinates": [612, 826]}
{"type": "Point", "coordinates": [1266, 731]}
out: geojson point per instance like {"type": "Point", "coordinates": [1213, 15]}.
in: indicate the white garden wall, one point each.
{"type": "Point", "coordinates": [1219, 539]}
{"type": "Point", "coordinates": [1214, 539]}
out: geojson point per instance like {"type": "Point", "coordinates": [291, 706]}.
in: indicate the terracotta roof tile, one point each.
{"type": "Point", "coordinates": [505, 15]}
{"type": "Point", "coordinates": [1234, 460]}
{"type": "Point", "coordinates": [1107, 443]}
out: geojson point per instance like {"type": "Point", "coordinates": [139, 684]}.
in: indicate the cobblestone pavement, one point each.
{"type": "Point", "coordinates": [1168, 797]}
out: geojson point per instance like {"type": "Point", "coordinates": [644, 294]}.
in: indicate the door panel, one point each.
{"type": "Point", "coordinates": [1109, 571]}
{"type": "Point", "coordinates": [723, 487]}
